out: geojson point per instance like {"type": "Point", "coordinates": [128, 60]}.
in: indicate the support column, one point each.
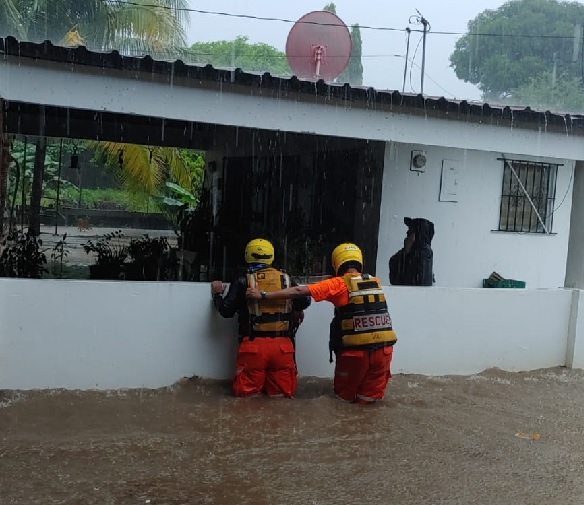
{"type": "Point", "coordinates": [575, 272]}
{"type": "Point", "coordinates": [575, 347]}
{"type": "Point", "coordinates": [575, 262]}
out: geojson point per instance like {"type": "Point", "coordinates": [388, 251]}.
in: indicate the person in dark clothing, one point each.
{"type": "Point", "coordinates": [265, 360]}
{"type": "Point", "coordinates": [413, 265]}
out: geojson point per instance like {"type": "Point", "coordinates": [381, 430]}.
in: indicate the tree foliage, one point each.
{"type": "Point", "coordinates": [12, 17]}
{"type": "Point", "coordinates": [145, 170]}
{"type": "Point", "coordinates": [562, 93]}
{"type": "Point", "coordinates": [353, 73]}
{"type": "Point", "coordinates": [141, 174]}
{"type": "Point", "coordinates": [505, 49]}
{"type": "Point", "coordinates": [330, 7]}
{"type": "Point", "coordinates": [155, 27]}
{"type": "Point", "coordinates": [240, 53]}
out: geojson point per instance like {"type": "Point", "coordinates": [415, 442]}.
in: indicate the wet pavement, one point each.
{"type": "Point", "coordinates": [492, 438]}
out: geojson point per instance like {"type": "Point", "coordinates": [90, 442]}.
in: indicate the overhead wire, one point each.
{"type": "Point", "coordinates": [413, 61]}
{"type": "Point", "coordinates": [242, 16]}
{"type": "Point", "coordinates": [363, 27]}
{"type": "Point", "coordinates": [566, 193]}
{"type": "Point", "coordinates": [275, 19]}
{"type": "Point", "coordinates": [430, 77]}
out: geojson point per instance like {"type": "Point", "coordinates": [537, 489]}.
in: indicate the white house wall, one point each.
{"type": "Point", "coordinates": [82, 87]}
{"type": "Point", "coordinates": [109, 335]}
{"type": "Point", "coordinates": [466, 249]}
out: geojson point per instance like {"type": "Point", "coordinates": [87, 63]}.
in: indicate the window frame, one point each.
{"type": "Point", "coordinates": [516, 210]}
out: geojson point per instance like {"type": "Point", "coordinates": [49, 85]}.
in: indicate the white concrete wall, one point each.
{"type": "Point", "coordinates": [82, 334]}
{"type": "Point", "coordinates": [104, 335]}
{"type": "Point", "coordinates": [465, 331]}
{"type": "Point", "coordinates": [466, 249]}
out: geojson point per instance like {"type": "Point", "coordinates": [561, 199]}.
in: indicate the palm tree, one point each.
{"type": "Point", "coordinates": [154, 27]}
{"type": "Point", "coordinates": [146, 169]}
{"type": "Point", "coordinates": [12, 18]}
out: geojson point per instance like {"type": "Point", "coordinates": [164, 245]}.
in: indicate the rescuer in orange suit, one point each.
{"type": "Point", "coordinates": [265, 360]}
{"type": "Point", "coordinates": [361, 335]}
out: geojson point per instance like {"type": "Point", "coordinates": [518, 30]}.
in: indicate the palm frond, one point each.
{"type": "Point", "coordinates": [142, 27]}
{"type": "Point", "coordinates": [178, 169]}
{"type": "Point", "coordinates": [149, 22]}
{"type": "Point", "coordinates": [145, 169]}
{"type": "Point", "coordinates": [12, 19]}
{"type": "Point", "coordinates": [139, 166]}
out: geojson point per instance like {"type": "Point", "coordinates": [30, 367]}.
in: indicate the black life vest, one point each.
{"type": "Point", "coordinates": [269, 318]}
{"type": "Point", "coordinates": [365, 321]}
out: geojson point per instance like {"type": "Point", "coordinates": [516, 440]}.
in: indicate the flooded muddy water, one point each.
{"type": "Point", "coordinates": [492, 438]}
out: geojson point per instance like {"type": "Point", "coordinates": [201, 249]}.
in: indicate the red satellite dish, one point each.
{"type": "Point", "coordinates": [318, 46]}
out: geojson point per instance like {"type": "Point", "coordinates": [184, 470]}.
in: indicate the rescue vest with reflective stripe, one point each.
{"type": "Point", "coordinates": [365, 320]}
{"type": "Point", "coordinates": [269, 318]}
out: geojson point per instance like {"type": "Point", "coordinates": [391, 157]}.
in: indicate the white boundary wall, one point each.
{"type": "Point", "coordinates": [109, 335]}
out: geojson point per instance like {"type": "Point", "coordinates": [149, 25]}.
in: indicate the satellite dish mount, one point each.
{"type": "Point", "coordinates": [319, 56]}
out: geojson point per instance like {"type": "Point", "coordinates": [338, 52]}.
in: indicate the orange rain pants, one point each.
{"type": "Point", "coordinates": [265, 365]}
{"type": "Point", "coordinates": [362, 375]}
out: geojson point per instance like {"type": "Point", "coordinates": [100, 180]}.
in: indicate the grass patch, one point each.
{"type": "Point", "coordinates": [100, 198]}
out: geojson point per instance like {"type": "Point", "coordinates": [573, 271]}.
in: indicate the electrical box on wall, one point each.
{"type": "Point", "coordinates": [450, 181]}
{"type": "Point", "coordinates": [418, 161]}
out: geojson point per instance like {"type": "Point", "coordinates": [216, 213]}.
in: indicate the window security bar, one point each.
{"type": "Point", "coordinates": [510, 165]}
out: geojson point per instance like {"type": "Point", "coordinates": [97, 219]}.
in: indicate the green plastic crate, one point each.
{"type": "Point", "coordinates": [507, 283]}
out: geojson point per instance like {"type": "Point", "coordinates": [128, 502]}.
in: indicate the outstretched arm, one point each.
{"type": "Point", "coordinates": [227, 306]}
{"type": "Point", "coordinates": [293, 292]}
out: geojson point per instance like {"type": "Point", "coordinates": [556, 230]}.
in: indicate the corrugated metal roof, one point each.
{"type": "Point", "coordinates": [286, 87]}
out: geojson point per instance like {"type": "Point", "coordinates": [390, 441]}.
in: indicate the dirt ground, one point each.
{"type": "Point", "coordinates": [493, 438]}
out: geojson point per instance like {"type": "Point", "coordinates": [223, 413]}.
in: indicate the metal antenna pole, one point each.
{"type": "Point", "coordinates": [421, 20]}
{"type": "Point", "coordinates": [424, 22]}
{"type": "Point", "coordinates": [408, 31]}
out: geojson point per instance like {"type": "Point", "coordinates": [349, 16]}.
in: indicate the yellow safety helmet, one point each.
{"type": "Point", "coordinates": [344, 253]}
{"type": "Point", "coordinates": [259, 250]}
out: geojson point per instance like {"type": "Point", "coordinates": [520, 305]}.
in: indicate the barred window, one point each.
{"type": "Point", "coordinates": [527, 197]}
